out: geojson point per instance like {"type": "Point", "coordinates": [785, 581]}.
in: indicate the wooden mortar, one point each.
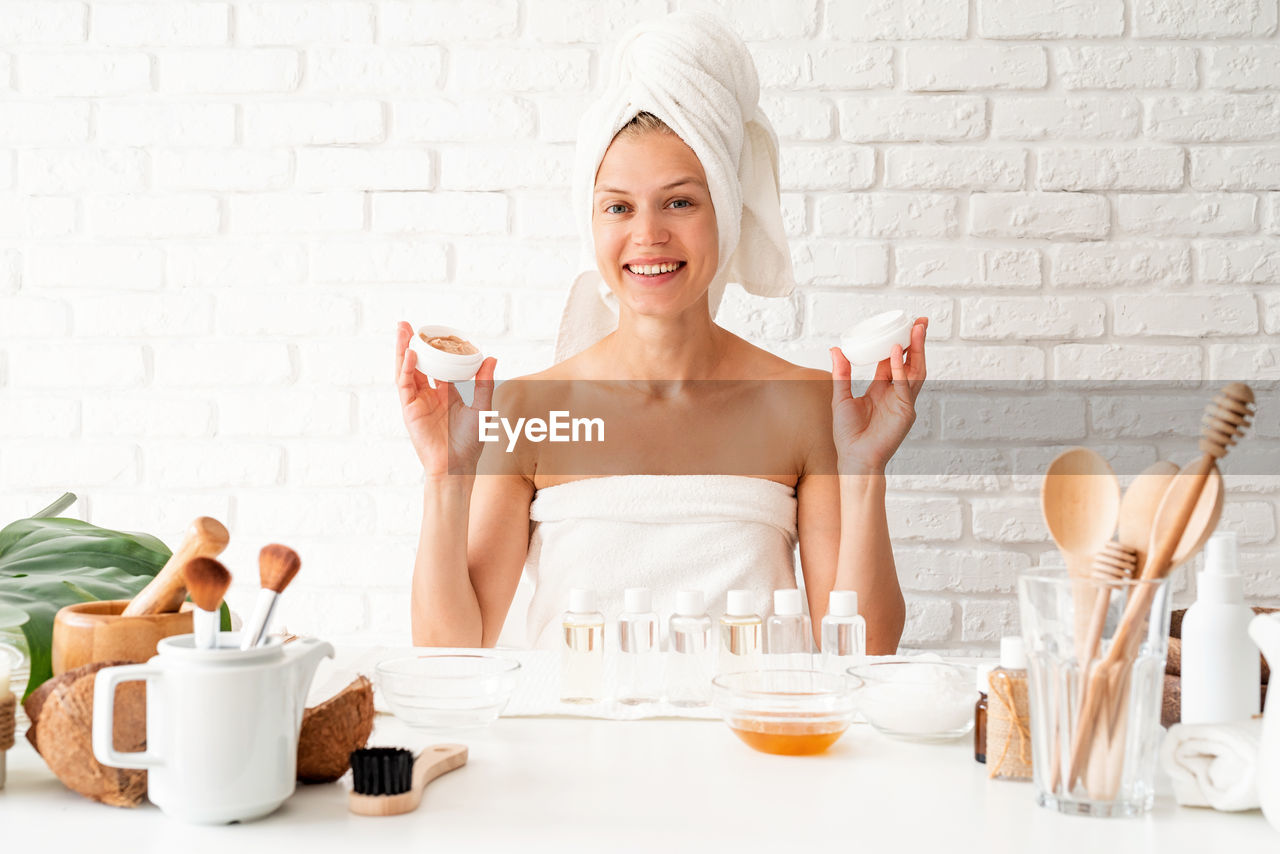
{"type": "Point", "coordinates": [95, 631]}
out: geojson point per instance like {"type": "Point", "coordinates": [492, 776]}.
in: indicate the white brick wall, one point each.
{"type": "Point", "coordinates": [212, 212]}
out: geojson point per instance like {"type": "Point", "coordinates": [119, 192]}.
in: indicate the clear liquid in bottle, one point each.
{"type": "Point", "coordinates": [582, 651]}
{"type": "Point", "coordinates": [788, 632]}
{"type": "Point", "coordinates": [689, 652]}
{"type": "Point", "coordinates": [844, 633]}
{"type": "Point", "coordinates": [639, 658]}
{"type": "Point", "coordinates": [741, 633]}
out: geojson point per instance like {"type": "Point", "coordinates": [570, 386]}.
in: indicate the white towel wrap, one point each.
{"type": "Point", "coordinates": [711, 533]}
{"type": "Point", "coordinates": [693, 72]}
{"type": "Point", "coordinates": [1214, 765]}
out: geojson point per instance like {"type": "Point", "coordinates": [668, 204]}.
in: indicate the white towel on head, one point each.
{"type": "Point", "coordinates": [712, 533]}
{"type": "Point", "coordinates": [693, 72]}
{"type": "Point", "coordinates": [1214, 765]}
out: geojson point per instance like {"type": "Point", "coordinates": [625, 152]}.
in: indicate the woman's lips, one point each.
{"type": "Point", "coordinates": [651, 281]}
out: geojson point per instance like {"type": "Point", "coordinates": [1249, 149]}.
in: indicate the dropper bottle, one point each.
{"type": "Point", "coordinates": [582, 650]}
{"type": "Point", "coordinates": [639, 664]}
{"type": "Point", "coordinates": [740, 634]}
{"type": "Point", "coordinates": [689, 652]}
{"type": "Point", "coordinates": [788, 632]}
{"type": "Point", "coordinates": [844, 632]}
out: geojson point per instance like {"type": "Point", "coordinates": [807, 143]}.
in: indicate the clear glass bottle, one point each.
{"type": "Point", "coordinates": [741, 631]}
{"type": "Point", "coordinates": [689, 652]}
{"type": "Point", "coordinates": [639, 662]}
{"type": "Point", "coordinates": [582, 653]}
{"type": "Point", "coordinates": [788, 632]}
{"type": "Point", "coordinates": [844, 633]}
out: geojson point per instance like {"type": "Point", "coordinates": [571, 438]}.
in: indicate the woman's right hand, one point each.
{"type": "Point", "coordinates": [443, 429]}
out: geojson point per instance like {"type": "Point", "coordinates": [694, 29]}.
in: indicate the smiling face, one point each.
{"type": "Point", "coordinates": [656, 241]}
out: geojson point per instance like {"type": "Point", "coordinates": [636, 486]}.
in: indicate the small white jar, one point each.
{"type": "Point", "coordinates": [872, 340]}
{"type": "Point", "coordinates": [439, 365]}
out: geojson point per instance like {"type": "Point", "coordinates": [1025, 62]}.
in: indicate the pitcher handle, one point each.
{"type": "Point", "coordinates": [104, 713]}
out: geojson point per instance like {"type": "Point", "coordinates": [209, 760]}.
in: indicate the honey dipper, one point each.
{"type": "Point", "coordinates": [1225, 420]}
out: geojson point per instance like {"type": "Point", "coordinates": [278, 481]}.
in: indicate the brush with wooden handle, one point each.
{"type": "Point", "coordinates": [208, 580]}
{"type": "Point", "coordinates": [277, 565]}
{"type": "Point", "coordinates": [1224, 422]}
{"type": "Point", "coordinates": [205, 537]}
{"type": "Point", "coordinates": [391, 780]}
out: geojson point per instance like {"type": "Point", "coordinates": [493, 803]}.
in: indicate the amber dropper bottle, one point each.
{"type": "Point", "coordinates": [980, 714]}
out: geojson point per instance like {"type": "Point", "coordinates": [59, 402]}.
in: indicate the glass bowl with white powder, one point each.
{"type": "Point", "coordinates": [916, 700]}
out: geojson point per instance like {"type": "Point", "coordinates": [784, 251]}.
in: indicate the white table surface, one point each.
{"type": "Point", "coordinates": [560, 784]}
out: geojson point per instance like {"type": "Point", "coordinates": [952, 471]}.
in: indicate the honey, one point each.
{"type": "Point", "coordinates": [789, 738]}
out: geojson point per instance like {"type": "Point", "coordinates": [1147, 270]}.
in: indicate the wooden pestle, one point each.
{"type": "Point", "coordinates": [1225, 420]}
{"type": "Point", "coordinates": [205, 537]}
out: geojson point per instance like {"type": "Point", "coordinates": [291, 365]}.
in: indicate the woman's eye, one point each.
{"type": "Point", "coordinates": [681, 203]}
{"type": "Point", "coordinates": [615, 209]}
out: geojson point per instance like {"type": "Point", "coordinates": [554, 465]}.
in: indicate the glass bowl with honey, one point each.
{"type": "Point", "coordinates": [787, 712]}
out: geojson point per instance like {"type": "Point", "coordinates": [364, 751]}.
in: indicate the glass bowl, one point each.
{"type": "Point", "coordinates": [916, 700]}
{"type": "Point", "coordinates": [447, 691]}
{"type": "Point", "coordinates": [788, 712]}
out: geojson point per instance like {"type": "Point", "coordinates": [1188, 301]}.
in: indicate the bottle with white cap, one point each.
{"type": "Point", "coordinates": [689, 652]}
{"type": "Point", "coordinates": [639, 664]}
{"type": "Point", "coordinates": [788, 634]}
{"type": "Point", "coordinates": [1221, 671]}
{"type": "Point", "coordinates": [844, 632]}
{"type": "Point", "coordinates": [741, 631]}
{"type": "Point", "coordinates": [1009, 717]}
{"type": "Point", "coordinates": [582, 650]}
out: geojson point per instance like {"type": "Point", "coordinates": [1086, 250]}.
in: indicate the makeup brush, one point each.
{"type": "Point", "coordinates": [277, 565]}
{"type": "Point", "coordinates": [207, 581]}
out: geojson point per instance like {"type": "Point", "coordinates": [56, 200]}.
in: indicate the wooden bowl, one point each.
{"type": "Point", "coordinates": [88, 632]}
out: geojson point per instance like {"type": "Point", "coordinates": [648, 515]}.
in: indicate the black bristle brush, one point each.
{"type": "Point", "coordinates": [391, 780]}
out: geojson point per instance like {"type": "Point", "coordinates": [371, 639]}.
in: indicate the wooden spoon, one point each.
{"type": "Point", "coordinates": [1139, 505]}
{"type": "Point", "coordinates": [1080, 497]}
{"type": "Point", "coordinates": [1204, 517]}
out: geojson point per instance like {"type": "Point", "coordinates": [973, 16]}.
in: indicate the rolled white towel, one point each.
{"type": "Point", "coordinates": [1214, 765]}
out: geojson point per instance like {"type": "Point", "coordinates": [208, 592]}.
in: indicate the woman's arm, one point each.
{"type": "Point", "coordinates": [474, 534]}
{"type": "Point", "coordinates": [474, 540]}
{"type": "Point", "coordinates": [844, 545]}
{"type": "Point", "coordinates": [842, 515]}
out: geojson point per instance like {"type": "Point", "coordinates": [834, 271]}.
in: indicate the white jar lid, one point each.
{"type": "Point", "coordinates": [872, 340]}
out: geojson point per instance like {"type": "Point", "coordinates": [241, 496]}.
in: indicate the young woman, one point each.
{"type": "Point", "coordinates": [702, 427]}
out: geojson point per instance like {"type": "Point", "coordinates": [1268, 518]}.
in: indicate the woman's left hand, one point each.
{"type": "Point", "coordinates": [868, 429]}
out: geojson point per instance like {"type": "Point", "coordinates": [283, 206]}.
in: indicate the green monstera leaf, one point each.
{"type": "Point", "coordinates": [48, 563]}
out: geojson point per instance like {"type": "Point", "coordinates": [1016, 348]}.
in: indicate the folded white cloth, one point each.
{"type": "Point", "coordinates": [693, 72]}
{"type": "Point", "coordinates": [1214, 765]}
{"type": "Point", "coordinates": [712, 533]}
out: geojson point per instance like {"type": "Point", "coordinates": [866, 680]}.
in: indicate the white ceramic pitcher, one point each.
{"type": "Point", "coordinates": [1265, 631]}
{"type": "Point", "coordinates": [222, 724]}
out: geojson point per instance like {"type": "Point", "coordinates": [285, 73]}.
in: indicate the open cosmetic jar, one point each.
{"type": "Point", "coordinates": [447, 691]}
{"type": "Point", "coordinates": [916, 700]}
{"type": "Point", "coordinates": [872, 340]}
{"type": "Point", "coordinates": [447, 359]}
{"type": "Point", "coordinates": [788, 712]}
